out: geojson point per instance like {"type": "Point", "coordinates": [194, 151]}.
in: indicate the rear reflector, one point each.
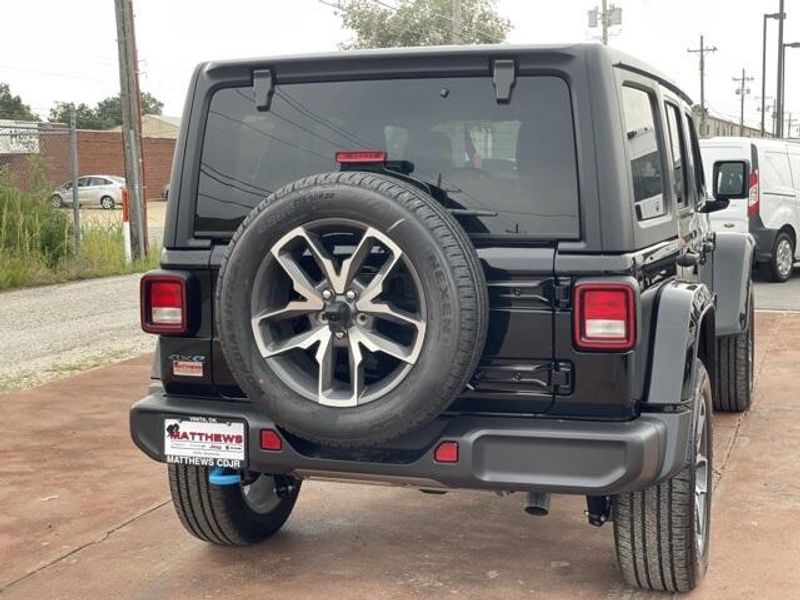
{"type": "Point", "coordinates": [446, 452]}
{"type": "Point", "coordinates": [163, 304]}
{"type": "Point", "coordinates": [360, 156]}
{"type": "Point", "coordinates": [604, 317]}
{"type": "Point", "coordinates": [271, 441]}
{"type": "Point", "coordinates": [754, 198]}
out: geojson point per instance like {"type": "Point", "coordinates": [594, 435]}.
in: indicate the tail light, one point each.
{"type": "Point", "coordinates": [360, 156]}
{"type": "Point", "coordinates": [754, 199]}
{"type": "Point", "coordinates": [164, 307]}
{"type": "Point", "coordinates": [604, 316]}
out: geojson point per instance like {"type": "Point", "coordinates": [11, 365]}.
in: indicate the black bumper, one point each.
{"type": "Point", "coordinates": [765, 239]}
{"type": "Point", "coordinates": [495, 453]}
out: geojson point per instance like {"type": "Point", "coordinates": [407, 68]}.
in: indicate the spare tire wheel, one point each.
{"type": "Point", "coordinates": [351, 308]}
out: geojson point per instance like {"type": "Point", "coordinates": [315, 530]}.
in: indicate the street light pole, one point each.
{"type": "Point", "coordinates": [764, 66]}
{"type": "Point", "coordinates": [782, 90]}
{"type": "Point", "coordinates": [778, 96]}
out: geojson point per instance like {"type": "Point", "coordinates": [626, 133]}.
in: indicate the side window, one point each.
{"type": "Point", "coordinates": [84, 181]}
{"type": "Point", "coordinates": [699, 174]}
{"type": "Point", "coordinates": [677, 145]}
{"type": "Point", "coordinates": [643, 152]}
{"type": "Point", "coordinates": [775, 174]}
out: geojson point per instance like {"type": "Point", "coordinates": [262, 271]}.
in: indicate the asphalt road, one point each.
{"type": "Point", "coordinates": [779, 296]}
{"type": "Point", "coordinates": [83, 514]}
{"type": "Point", "coordinates": [60, 329]}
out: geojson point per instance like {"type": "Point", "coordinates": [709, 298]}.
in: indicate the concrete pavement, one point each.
{"type": "Point", "coordinates": [84, 514]}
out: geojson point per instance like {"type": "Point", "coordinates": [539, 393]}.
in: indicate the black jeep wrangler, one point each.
{"type": "Point", "coordinates": [485, 268]}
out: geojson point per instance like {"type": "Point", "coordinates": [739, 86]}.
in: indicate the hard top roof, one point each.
{"type": "Point", "coordinates": [558, 52]}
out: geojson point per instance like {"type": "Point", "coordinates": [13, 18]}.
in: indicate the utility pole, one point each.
{"type": "Point", "coordinates": [458, 38]}
{"type": "Point", "coordinates": [131, 124]}
{"type": "Point", "coordinates": [779, 95]}
{"type": "Point", "coordinates": [742, 90]}
{"type": "Point", "coordinates": [764, 65]}
{"type": "Point", "coordinates": [605, 17]}
{"type": "Point", "coordinates": [702, 51]}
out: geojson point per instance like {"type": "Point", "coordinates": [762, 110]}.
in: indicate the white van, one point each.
{"type": "Point", "coordinates": [772, 212]}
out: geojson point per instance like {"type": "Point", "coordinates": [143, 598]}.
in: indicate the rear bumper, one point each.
{"type": "Point", "coordinates": [495, 453]}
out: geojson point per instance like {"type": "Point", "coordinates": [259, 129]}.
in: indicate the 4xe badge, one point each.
{"type": "Point", "coordinates": [204, 443]}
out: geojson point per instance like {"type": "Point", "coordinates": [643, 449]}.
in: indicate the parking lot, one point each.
{"type": "Point", "coordinates": [83, 513]}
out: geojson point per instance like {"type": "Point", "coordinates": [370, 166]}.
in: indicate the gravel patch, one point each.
{"type": "Point", "coordinates": [52, 331]}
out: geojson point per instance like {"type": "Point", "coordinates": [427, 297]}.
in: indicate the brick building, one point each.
{"type": "Point", "coordinates": [47, 151]}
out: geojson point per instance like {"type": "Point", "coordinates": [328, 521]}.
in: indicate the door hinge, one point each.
{"type": "Point", "coordinates": [504, 77]}
{"type": "Point", "coordinates": [559, 293]}
{"type": "Point", "coordinates": [561, 378]}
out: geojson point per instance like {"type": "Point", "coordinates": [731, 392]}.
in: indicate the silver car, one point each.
{"type": "Point", "coordinates": [101, 190]}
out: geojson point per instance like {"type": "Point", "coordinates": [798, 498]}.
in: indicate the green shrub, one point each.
{"type": "Point", "coordinates": [31, 227]}
{"type": "Point", "coordinates": [37, 244]}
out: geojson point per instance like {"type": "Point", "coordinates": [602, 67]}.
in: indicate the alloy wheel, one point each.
{"type": "Point", "coordinates": [338, 312]}
{"type": "Point", "coordinates": [701, 479]}
{"type": "Point", "coordinates": [784, 258]}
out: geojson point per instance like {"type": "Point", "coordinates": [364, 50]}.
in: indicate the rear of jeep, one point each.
{"type": "Point", "coordinates": [439, 269]}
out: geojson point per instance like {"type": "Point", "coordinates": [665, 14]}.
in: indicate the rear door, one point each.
{"type": "Point", "coordinates": [793, 151]}
{"type": "Point", "coordinates": [778, 201]}
{"type": "Point", "coordinates": [507, 171]}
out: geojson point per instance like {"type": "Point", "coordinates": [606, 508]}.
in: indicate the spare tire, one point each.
{"type": "Point", "coordinates": [351, 308]}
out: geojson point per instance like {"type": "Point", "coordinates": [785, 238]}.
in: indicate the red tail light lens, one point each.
{"type": "Point", "coordinates": [604, 317]}
{"type": "Point", "coordinates": [163, 304]}
{"type": "Point", "coordinates": [754, 199]}
{"type": "Point", "coordinates": [360, 156]}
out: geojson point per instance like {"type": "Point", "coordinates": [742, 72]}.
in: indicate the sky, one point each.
{"type": "Point", "coordinates": [53, 50]}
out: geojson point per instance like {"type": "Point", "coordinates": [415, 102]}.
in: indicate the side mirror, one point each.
{"type": "Point", "coordinates": [730, 182]}
{"type": "Point", "coordinates": [731, 179]}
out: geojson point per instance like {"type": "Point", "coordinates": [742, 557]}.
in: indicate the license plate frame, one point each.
{"type": "Point", "coordinates": [205, 441]}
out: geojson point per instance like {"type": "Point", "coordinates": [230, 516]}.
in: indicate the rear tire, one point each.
{"type": "Point", "coordinates": [662, 532]}
{"type": "Point", "coordinates": [223, 514]}
{"type": "Point", "coordinates": [107, 202]}
{"type": "Point", "coordinates": [775, 269]}
{"type": "Point", "coordinates": [735, 359]}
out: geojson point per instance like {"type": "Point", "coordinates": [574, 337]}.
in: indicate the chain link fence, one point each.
{"type": "Point", "coordinates": [35, 158]}
{"type": "Point", "coordinates": [45, 236]}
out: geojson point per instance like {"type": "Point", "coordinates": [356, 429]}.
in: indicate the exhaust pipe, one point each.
{"type": "Point", "coordinates": [537, 504]}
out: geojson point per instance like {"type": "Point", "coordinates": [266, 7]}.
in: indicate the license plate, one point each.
{"type": "Point", "coordinates": [204, 442]}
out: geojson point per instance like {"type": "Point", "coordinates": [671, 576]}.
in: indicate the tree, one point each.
{"type": "Point", "coordinates": [85, 117]}
{"type": "Point", "coordinates": [107, 113]}
{"type": "Point", "coordinates": [421, 23]}
{"type": "Point", "coordinates": [110, 109]}
{"type": "Point", "coordinates": [12, 107]}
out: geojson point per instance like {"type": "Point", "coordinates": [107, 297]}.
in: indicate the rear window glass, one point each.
{"type": "Point", "coordinates": [512, 165]}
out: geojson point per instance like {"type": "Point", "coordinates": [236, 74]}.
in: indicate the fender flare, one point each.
{"type": "Point", "coordinates": [733, 263]}
{"type": "Point", "coordinates": [685, 325]}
